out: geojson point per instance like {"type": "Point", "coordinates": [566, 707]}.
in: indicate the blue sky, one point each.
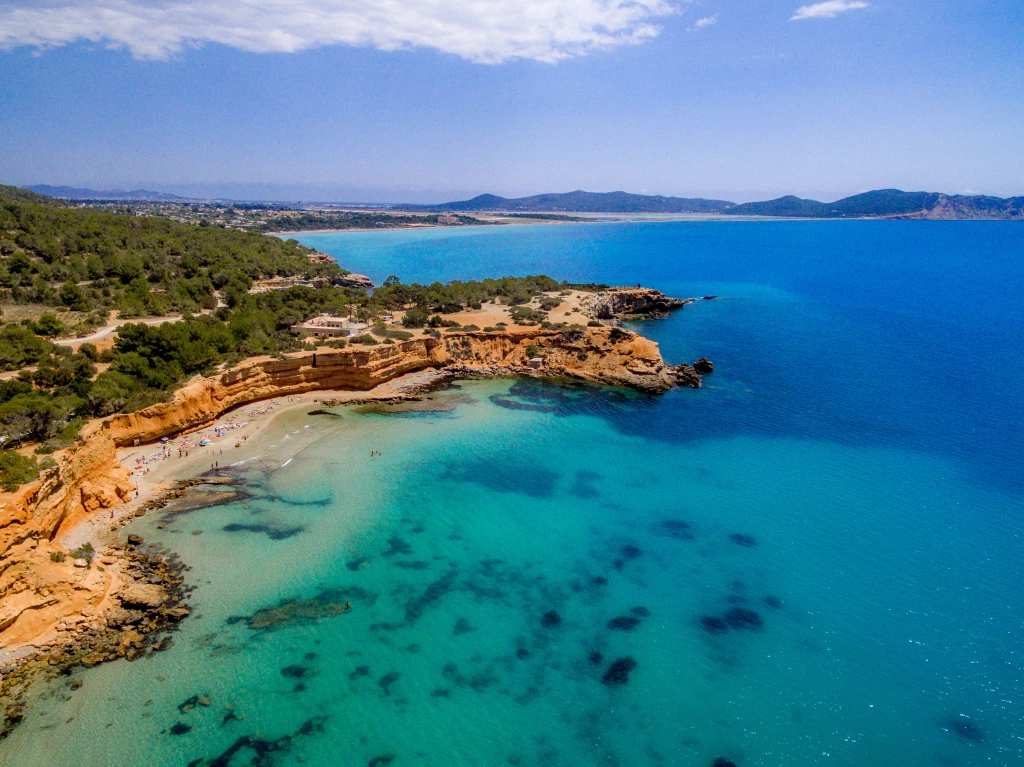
{"type": "Point", "coordinates": [428, 100]}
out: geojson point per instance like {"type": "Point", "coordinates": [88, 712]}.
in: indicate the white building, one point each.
{"type": "Point", "coordinates": [327, 326]}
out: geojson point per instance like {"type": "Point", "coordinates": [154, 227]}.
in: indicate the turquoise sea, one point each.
{"type": "Point", "coordinates": [815, 559]}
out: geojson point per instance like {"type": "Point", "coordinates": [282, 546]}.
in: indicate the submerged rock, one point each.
{"type": "Point", "coordinates": [265, 751]}
{"type": "Point", "coordinates": [462, 626]}
{"type": "Point", "coordinates": [623, 623]}
{"type": "Point", "coordinates": [272, 532]}
{"type": "Point", "coordinates": [773, 602]}
{"type": "Point", "coordinates": [358, 672]}
{"type": "Point", "coordinates": [630, 551]}
{"type": "Point", "coordinates": [743, 618]}
{"type": "Point", "coordinates": [397, 546]}
{"type": "Point", "coordinates": [963, 727]}
{"type": "Point", "coordinates": [723, 762]}
{"type": "Point", "coordinates": [550, 619]}
{"type": "Point", "coordinates": [297, 672]}
{"type": "Point", "coordinates": [677, 528]}
{"type": "Point", "coordinates": [327, 604]}
{"type": "Point", "coordinates": [744, 540]}
{"type": "Point", "coordinates": [618, 672]}
{"type": "Point", "coordinates": [713, 624]}
{"type": "Point", "coordinates": [388, 680]}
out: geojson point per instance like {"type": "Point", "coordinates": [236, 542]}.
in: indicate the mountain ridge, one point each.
{"type": "Point", "coordinates": [80, 193]}
{"type": "Point", "coordinates": [878, 203]}
{"type": "Point", "coordinates": [579, 201]}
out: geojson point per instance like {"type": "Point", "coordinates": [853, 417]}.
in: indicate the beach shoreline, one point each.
{"type": "Point", "coordinates": [64, 608]}
{"type": "Point", "coordinates": [91, 633]}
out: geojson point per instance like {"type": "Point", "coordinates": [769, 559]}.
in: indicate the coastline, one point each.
{"type": "Point", "coordinates": [60, 613]}
{"type": "Point", "coordinates": [138, 592]}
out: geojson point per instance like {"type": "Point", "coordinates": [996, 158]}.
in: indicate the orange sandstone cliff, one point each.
{"type": "Point", "coordinates": [35, 591]}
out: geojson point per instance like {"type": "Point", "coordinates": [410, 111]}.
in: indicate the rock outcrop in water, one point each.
{"type": "Point", "coordinates": [629, 303]}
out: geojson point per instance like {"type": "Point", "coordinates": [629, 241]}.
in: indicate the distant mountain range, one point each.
{"type": "Point", "coordinates": [889, 203]}
{"type": "Point", "coordinates": [882, 203]}
{"type": "Point", "coordinates": [584, 202]}
{"type": "Point", "coordinates": [77, 193]}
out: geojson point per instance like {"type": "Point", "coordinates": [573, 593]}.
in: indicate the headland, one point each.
{"type": "Point", "coordinates": [75, 591]}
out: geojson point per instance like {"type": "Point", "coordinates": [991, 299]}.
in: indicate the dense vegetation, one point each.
{"type": "Point", "coordinates": [122, 259]}
{"type": "Point", "coordinates": [48, 405]}
{"type": "Point", "coordinates": [92, 261]}
{"type": "Point", "coordinates": [311, 221]}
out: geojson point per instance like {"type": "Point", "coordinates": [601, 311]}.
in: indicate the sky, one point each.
{"type": "Point", "coordinates": [435, 100]}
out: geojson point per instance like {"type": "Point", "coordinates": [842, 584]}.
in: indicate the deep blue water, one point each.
{"type": "Point", "coordinates": [814, 559]}
{"type": "Point", "coordinates": [864, 332]}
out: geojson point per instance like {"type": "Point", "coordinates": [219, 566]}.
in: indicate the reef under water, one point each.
{"type": "Point", "coordinates": [504, 586]}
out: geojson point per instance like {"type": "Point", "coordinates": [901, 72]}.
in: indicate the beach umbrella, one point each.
{"type": "Point", "coordinates": [163, 439]}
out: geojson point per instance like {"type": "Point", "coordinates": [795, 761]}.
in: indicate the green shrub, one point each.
{"type": "Point", "coordinates": [547, 303]}
{"type": "Point", "coordinates": [57, 556]}
{"type": "Point", "coordinates": [48, 326]}
{"type": "Point", "coordinates": [415, 318]}
{"type": "Point", "coordinates": [595, 324]}
{"type": "Point", "coordinates": [89, 351]}
{"type": "Point", "coordinates": [618, 334]}
{"type": "Point", "coordinates": [533, 350]}
{"type": "Point", "coordinates": [470, 327]}
{"type": "Point", "coordinates": [16, 470]}
{"type": "Point", "coordinates": [365, 338]}
{"type": "Point", "coordinates": [85, 551]}
{"type": "Point", "coordinates": [524, 315]}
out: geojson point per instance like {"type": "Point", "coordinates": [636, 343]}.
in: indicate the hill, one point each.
{"type": "Point", "coordinates": [888, 203]}
{"type": "Point", "coordinates": [93, 261]}
{"type": "Point", "coordinates": [582, 202]}
{"type": "Point", "coordinates": [17, 194]}
{"type": "Point", "coordinates": [881, 203]}
{"type": "Point", "coordinates": [78, 193]}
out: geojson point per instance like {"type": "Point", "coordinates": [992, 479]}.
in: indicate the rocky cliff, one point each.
{"type": "Point", "coordinates": [89, 478]}
{"type": "Point", "coordinates": [624, 303]}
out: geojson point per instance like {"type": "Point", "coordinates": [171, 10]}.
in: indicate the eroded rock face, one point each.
{"type": "Point", "coordinates": [616, 303]}
{"type": "Point", "coordinates": [351, 280]}
{"type": "Point", "coordinates": [88, 477]}
{"type": "Point", "coordinates": [143, 595]}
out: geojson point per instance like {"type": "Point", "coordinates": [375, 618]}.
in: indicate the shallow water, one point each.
{"type": "Point", "coordinates": [814, 558]}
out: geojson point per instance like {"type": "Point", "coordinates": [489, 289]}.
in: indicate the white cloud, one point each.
{"type": "Point", "coordinates": [828, 9]}
{"type": "Point", "coordinates": [703, 23]}
{"type": "Point", "coordinates": [483, 31]}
